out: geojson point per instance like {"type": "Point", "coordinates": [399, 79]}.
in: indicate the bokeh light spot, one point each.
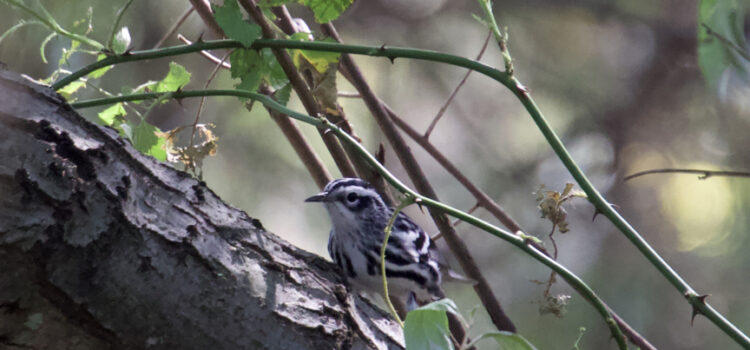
{"type": "Point", "coordinates": [701, 212]}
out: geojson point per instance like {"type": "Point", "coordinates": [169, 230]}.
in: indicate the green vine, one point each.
{"type": "Point", "coordinates": [512, 83]}
{"type": "Point", "coordinates": [517, 241]}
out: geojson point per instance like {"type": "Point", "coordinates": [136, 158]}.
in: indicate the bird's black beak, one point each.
{"type": "Point", "coordinates": [320, 197]}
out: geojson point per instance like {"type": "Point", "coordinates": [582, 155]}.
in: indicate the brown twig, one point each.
{"type": "Point", "coordinates": [482, 198]}
{"type": "Point", "coordinates": [300, 87]}
{"type": "Point", "coordinates": [442, 110]}
{"type": "Point", "coordinates": [206, 54]}
{"type": "Point", "coordinates": [285, 22]}
{"type": "Point", "coordinates": [306, 153]}
{"type": "Point", "coordinates": [704, 174]}
{"type": "Point", "coordinates": [299, 143]}
{"type": "Point", "coordinates": [726, 42]}
{"type": "Point", "coordinates": [174, 27]}
{"type": "Point", "coordinates": [415, 173]}
{"type": "Point", "coordinates": [203, 8]}
{"type": "Point", "coordinates": [203, 99]}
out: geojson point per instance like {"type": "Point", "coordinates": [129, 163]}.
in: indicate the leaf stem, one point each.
{"type": "Point", "coordinates": [408, 200]}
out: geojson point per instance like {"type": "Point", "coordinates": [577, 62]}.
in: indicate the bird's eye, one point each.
{"type": "Point", "coordinates": [352, 197]}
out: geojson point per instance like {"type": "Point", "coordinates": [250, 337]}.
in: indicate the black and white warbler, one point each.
{"type": "Point", "coordinates": [359, 216]}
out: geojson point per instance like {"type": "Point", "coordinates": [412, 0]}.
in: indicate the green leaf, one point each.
{"type": "Point", "coordinates": [246, 66]}
{"type": "Point", "coordinates": [71, 88]}
{"type": "Point", "coordinates": [101, 71]}
{"type": "Point", "coordinates": [121, 41]}
{"type": "Point", "coordinates": [507, 340]}
{"type": "Point", "coordinates": [146, 141]}
{"type": "Point", "coordinates": [716, 55]}
{"type": "Point", "coordinates": [109, 115]}
{"type": "Point", "coordinates": [230, 20]}
{"type": "Point", "coordinates": [255, 66]}
{"type": "Point", "coordinates": [326, 10]}
{"type": "Point", "coordinates": [177, 77]}
{"type": "Point", "coordinates": [282, 95]}
{"type": "Point", "coordinates": [74, 44]}
{"type": "Point", "coordinates": [427, 327]}
{"type": "Point", "coordinates": [319, 59]}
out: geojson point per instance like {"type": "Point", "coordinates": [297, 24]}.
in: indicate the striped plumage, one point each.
{"type": "Point", "coordinates": [359, 216]}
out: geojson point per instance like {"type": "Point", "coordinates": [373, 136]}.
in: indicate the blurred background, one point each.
{"type": "Point", "coordinates": [618, 80]}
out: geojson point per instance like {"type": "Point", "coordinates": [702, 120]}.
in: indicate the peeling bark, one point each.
{"type": "Point", "coordinates": [103, 247]}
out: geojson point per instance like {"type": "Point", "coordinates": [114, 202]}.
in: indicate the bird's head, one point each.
{"type": "Point", "coordinates": [351, 203]}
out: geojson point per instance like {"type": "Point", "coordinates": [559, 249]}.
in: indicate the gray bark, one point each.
{"type": "Point", "coordinates": [103, 247]}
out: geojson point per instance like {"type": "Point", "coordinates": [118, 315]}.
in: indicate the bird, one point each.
{"type": "Point", "coordinates": [359, 216]}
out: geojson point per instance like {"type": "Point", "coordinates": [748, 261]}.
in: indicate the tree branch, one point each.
{"type": "Point", "coordinates": [109, 248]}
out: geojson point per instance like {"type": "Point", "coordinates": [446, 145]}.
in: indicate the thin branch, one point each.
{"type": "Point", "coordinates": [704, 174]}
{"type": "Point", "coordinates": [442, 110]}
{"type": "Point", "coordinates": [203, 99]}
{"type": "Point", "coordinates": [300, 87]}
{"type": "Point", "coordinates": [175, 26]}
{"type": "Point", "coordinates": [726, 42]}
{"type": "Point", "coordinates": [294, 136]}
{"type": "Point", "coordinates": [206, 54]}
{"type": "Point", "coordinates": [297, 140]}
{"type": "Point", "coordinates": [285, 21]}
{"type": "Point", "coordinates": [203, 8]}
{"type": "Point", "coordinates": [482, 198]}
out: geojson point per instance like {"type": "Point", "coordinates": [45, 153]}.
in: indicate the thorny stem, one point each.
{"type": "Point", "coordinates": [408, 200]}
{"type": "Point", "coordinates": [500, 36]}
{"type": "Point", "coordinates": [515, 240]}
{"type": "Point", "coordinates": [518, 90]}
{"type": "Point", "coordinates": [175, 26]}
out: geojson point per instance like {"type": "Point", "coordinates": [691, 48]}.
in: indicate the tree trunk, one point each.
{"type": "Point", "coordinates": [103, 247]}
